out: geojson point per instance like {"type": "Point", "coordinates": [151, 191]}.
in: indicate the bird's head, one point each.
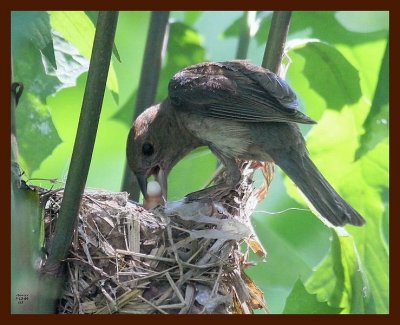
{"type": "Point", "coordinates": [155, 144]}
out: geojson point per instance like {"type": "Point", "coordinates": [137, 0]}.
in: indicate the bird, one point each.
{"type": "Point", "coordinates": [239, 110]}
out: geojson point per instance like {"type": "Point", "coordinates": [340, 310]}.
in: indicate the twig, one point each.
{"type": "Point", "coordinates": [174, 287]}
{"type": "Point", "coordinates": [153, 305]}
{"type": "Point", "coordinates": [175, 250]}
{"type": "Point", "coordinates": [189, 298]}
{"type": "Point", "coordinates": [215, 288]}
{"type": "Point", "coordinates": [149, 257]}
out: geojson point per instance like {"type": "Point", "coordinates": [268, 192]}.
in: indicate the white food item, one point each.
{"type": "Point", "coordinates": [153, 188]}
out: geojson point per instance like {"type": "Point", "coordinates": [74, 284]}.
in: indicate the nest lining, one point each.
{"type": "Point", "coordinates": [184, 257]}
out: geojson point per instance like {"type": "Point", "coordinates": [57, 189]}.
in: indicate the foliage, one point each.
{"type": "Point", "coordinates": [339, 69]}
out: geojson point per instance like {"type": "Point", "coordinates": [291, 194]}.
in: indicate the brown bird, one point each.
{"type": "Point", "coordinates": [240, 111]}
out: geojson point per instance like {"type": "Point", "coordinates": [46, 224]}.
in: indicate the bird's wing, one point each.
{"type": "Point", "coordinates": [235, 90]}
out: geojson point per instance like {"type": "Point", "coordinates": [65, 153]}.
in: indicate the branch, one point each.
{"type": "Point", "coordinates": [149, 76]}
{"type": "Point", "coordinates": [276, 40]}
{"type": "Point", "coordinates": [85, 138]}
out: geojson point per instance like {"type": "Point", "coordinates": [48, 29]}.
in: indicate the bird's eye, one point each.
{"type": "Point", "coordinates": [147, 149]}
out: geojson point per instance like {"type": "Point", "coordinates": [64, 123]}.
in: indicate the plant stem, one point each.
{"type": "Point", "coordinates": [149, 77]}
{"type": "Point", "coordinates": [244, 37]}
{"type": "Point", "coordinates": [276, 40]}
{"type": "Point", "coordinates": [85, 139]}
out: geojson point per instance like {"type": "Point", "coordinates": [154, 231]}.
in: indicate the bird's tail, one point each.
{"type": "Point", "coordinates": [319, 192]}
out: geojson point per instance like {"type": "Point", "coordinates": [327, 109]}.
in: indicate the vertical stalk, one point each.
{"type": "Point", "coordinates": [149, 77]}
{"type": "Point", "coordinates": [85, 139]}
{"type": "Point", "coordinates": [276, 40]}
{"type": "Point", "coordinates": [244, 37]}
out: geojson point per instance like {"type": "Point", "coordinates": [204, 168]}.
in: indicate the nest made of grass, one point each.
{"type": "Point", "coordinates": [184, 257]}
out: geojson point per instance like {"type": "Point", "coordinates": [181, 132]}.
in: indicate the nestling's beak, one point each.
{"type": "Point", "coordinates": [160, 176]}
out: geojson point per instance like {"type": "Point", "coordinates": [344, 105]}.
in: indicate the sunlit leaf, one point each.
{"type": "Point", "coordinates": [77, 28]}
{"type": "Point", "coordinates": [330, 74]}
{"type": "Point", "coordinates": [322, 25]}
{"type": "Point", "coordinates": [300, 301]}
{"type": "Point", "coordinates": [376, 124]}
{"type": "Point", "coordinates": [70, 64]}
{"type": "Point", "coordinates": [34, 122]}
{"type": "Point", "coordinates": [341, 279]}
{"type": "Point", "coordinates": [332, 144]}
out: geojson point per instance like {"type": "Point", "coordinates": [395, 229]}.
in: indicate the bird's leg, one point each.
{"type": "Point", "coordinates": [222, 189]}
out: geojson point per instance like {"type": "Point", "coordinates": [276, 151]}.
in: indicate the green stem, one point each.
{"type": "Point", "coordinates": [149, 77]}
{"type": "Point", "coordinates": [244, 37]}
{"type": "Point", "coordinates": [276, 40]}
{"type": "Point", "coordinates": [85, 139]}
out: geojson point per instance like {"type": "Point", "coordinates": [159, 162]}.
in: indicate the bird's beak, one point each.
{"type": "Point", "coordinates": [142, 180]}
{"type": "Point", "coordinates": [160, 175]}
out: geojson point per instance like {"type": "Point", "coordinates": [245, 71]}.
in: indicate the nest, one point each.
{"type": "Point", "coordinates": [184, 257]}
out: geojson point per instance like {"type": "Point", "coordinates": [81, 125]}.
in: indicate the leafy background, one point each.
{"type": "Point", "coordinates": [338, 65]}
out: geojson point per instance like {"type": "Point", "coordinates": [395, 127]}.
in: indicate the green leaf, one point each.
{"type": "Point", "coordinates": [28, 64]}
{"type": "Point", "coordinates": [233, 29]}
{"type": "Point", "coordinates": [69, 62]}
{"type": "Point", "coordinates": [376, 125]}
{"type": "Point", "coordinates": [109, 151]}
{"type": "Point", "coordinates": [34, 122]}
{"type": "Point", "coordinates": [325, 26]}
{"type": "Point", "coordinates": [36, 133]}
{"type": "Point", "coordinates": [32, 27]}
{"type": "Point", "coordinates": [77, 28]}
{"type": "Point", "coordinates": [330, 74]}
{"type": "Point", "coordinates": [332, 145]}
{"type": "Point", "coordinates": [341, 279]}
{"type": "Point", "coordinates": [192, 16]}
{"type": "Point", "coordinates": [300, 301]}
{"type": "Point", "coordinates": [295, 241]}
{"type": "Point", "coordinates": [367, 183]}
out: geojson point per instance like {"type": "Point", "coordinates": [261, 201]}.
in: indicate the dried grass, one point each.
{"type": "Point", "coordinates": [185, 257]}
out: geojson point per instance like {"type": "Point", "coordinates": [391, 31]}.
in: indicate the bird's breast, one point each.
{"type": "Point", "coordinates": [231, 137]}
